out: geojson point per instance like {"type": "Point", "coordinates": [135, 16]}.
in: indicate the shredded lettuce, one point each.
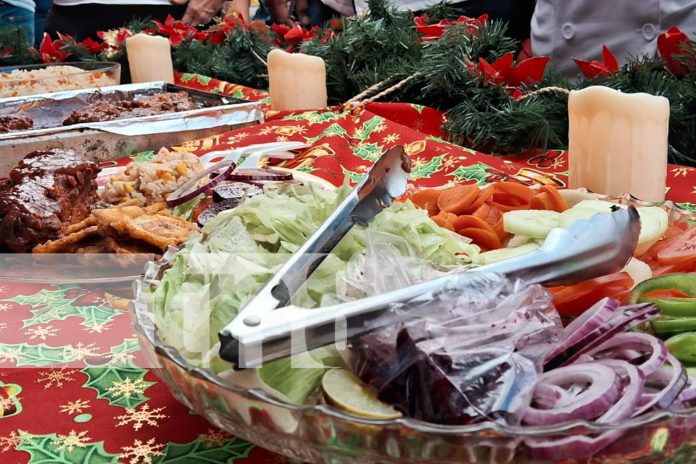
{"type": "Point", "coordinates": [220, 269]}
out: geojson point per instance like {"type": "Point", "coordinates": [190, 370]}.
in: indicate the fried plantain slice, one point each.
{"type": "Point", "coordinates": [68, 243]}
{"type": "Point", "coordinates": [157, 230]}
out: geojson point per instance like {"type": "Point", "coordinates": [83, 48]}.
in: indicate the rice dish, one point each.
{"type": "Point", "coordinates": [20, 82]}
{"type": "Point", "coordinates": [152, 181]}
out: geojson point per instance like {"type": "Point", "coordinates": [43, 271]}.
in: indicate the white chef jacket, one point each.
{"type": "Point", "coordinates": [413, 5]}
{"type": "Point", "coordinates": [567, 29]}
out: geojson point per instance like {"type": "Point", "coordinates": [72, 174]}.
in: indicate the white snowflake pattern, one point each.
{"type": "Point", "coordinates": [215, 437]}
{"type": "Point", "coordinates": [3, 325]}
{"type": "Point", "coordinates": [142, 416]}
{"type": "Point", "coordinates": [70, 441]}
{"type": "Point", "coordinates": [74, 407]}
{"type": "Point", "coordinates": [122, 359]}
{"type": "Point", "coordinates": [11, 355]}
{"type": "Point", "coordinates": [41, 332]}
{"type": "Point", "coordinates": [142, 453]}
{"type": "Point", "coordinates": [81, 351]}
{"type": "Point", "coordinates": [4, 306]}
{"type": "Point", "coordinates": [127, 388]}
{"type": "Point", "coordinates": [12, 441]}
{"type": "Point", "coordinates": [55, 377]}
{"type": "Point", "coordinates": [98, 328]}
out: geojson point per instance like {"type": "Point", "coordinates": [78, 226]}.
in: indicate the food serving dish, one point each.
{"type": "Point", "coordinates": [103, 141]}
{"type": "Point", "coordinates": [34, 79]}
{"type": "Point", "coordinates": [322, 433]}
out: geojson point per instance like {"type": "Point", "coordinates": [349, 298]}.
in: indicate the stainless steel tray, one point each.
{"type": "Point", "coordinates": [102, 141]}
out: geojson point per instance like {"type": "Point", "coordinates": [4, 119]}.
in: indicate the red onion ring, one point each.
{"type": "Point", "coordinates": [689, 391]}
{"type": "Point", "coordinates": [261, 174]}
{"type": "Point", "coordinates": [671, 381]}
{"type": "Point", "coordinates": [603, 389]}
{"type": "Point", "coordinates": [182, 194]}
{"type": "Point", "coordinates": [631, 394]}
{"type": "Point", "coordinates": [633, 341]}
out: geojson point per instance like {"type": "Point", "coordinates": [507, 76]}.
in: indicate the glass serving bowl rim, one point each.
{"type": "Point", "coordinates": [107, 66]}
{"type": "Point", "coordinates": [145, 326]}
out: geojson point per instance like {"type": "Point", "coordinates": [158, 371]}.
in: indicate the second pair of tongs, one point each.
{"type": "Point", "coordinates": [268, 328]}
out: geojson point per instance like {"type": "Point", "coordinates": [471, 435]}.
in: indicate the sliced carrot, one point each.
{"type": "Point", "coordinates": [468, 221]}
{"type": "Point", "coordinates": [557, 202]}
{"type": "Point", "coordinates": [458, 199]}
{"type": "Point", "coordinates": [540, 201]}
{"type": "Point", "coordinates": [499, 229]}
{"type": "Point", "coordinates": [482, 211]}
{"type": "Point", "coordinates": [484, 238]}
{"type": "Point", "coordinates": [447, 216]}
{"type": "Point", "coordinates": [427, 199]}
{"type": "Point", "coordinates": [442, 222]}
{"type": "Point", "coordinates": [483, 197]}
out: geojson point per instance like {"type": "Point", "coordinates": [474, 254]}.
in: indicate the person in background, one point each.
{"type": "Point", "coordinates": [42, 7]}
{"type": "Point", "coordinates": [19, 13]}
{"type": "Point", "coordinates": [565, 29]}
{"type": "Point", "coordinates": [517, 13]}
{"type": "Point", "coordinates": [84, 18]}
{"type": "Point", "coordinates": [306, 12]}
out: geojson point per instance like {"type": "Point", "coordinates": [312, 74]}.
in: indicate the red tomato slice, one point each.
{"type": "Point", "coordinates": [682, 249]}
{"type": "Point", "coordinates": [574, 300]}
{"type": "Point", "coordinates": [670, 293]}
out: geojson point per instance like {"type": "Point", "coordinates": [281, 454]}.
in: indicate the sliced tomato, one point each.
{"type": "Point", "coordinates": [680, 249]}
{"type": "Point", "coordinates": [571, 301]}
{"type": "Point", "coordinates": [669, 293]}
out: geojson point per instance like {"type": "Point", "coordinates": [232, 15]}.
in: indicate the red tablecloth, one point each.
{"type": "Point", "coordinates": [90, 414]}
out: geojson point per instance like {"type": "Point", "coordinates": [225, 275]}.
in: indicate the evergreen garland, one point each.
{"type": "Point", "coordinates": [15, 47]}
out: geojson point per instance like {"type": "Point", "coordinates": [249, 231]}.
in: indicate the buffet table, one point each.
{"type": "Point", "coordinates": [62, 403]}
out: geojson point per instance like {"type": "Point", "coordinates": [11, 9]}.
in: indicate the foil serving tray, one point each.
{"type": "Point", "coordinates": [103, 141]}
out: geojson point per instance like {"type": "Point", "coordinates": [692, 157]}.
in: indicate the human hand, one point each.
{"type": "Point", "coordinates": [199, 12]}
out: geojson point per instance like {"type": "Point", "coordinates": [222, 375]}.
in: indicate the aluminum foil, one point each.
{"type": "Point", "coordinates": [48, 111]}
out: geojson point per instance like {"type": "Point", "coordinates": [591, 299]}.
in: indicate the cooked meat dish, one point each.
{"type": "Point", "coordinates": [108, 111]}
{"type": "Point", "coordinates": [49, 190]}
{"type": "Point", "coordinates": [12, 123]}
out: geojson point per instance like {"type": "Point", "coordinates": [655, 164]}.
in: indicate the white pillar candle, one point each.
{"type": "Point", "coordinates": [149, 59]}
{"type": "Point", "coordinates": [617, 142]}
{"type": "Point", "coordinates": [296, 81]}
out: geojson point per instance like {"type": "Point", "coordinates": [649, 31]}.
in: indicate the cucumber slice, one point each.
{"type": "Point", "coordinates": [571, 215]}
{"type": "Point", "coordinates": [653, 223]}
{"type": "Point", "coordinates": [531, 223]}
{"type": "Point", "coordinates": [494, 256]}
{"type": "Point", "coordinates": [518, 240]}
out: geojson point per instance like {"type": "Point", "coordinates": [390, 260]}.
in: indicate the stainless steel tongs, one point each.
{"type": "Point", "coordinates": [269, 328]}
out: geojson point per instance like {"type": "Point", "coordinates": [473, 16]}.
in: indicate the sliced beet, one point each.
{"type": "Point", "coordinates": [235, 191]}
{"type": "Point", "coordinates": [216, 209]}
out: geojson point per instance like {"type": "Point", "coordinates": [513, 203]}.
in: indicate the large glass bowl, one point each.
{"type": "Point", "coordinates": [16, 81]}
{"type": "Point", "coordinates": [322, 433]}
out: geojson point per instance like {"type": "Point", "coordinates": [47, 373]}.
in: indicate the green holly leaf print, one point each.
{"type": "Point", "coordinates": [477, 172]}
{"type": "Point", "coordinates": [417, 107]}
{"type": "Point", "coordinates": [121, 386]}
{"type": "Point", "coordinates": [205, 449]}
{"type": "Point", "coordinates": [143, 157]}
{"type": "Point", "coordinates": [368, 151]}
{"type": "Point", "coordinates": [92, 316]}
{"type": "Point", "coordinates": [123, 354]}
{"type": "Point", "coordinates": [39, 355]}
{"type": "Point", "coordinates": [332, 130]}
{"type": "Point", "coordinates": [238, 94]}
{"type": "Point", "coordinates": [44, 297]}
{"type": "Point", "coordinates": [187, 77]}
{"type": "Point", "coordinates": [425, 170]}
{"type": "Point", "coordinates": [687, 206]}
{"type": "Point", "coordinates": [313, 117]}
{"type": "Point", "coordinates": [353, 176]}
{"type": "Point", "coordinates": [307, 169]}
{"type": "Point", "coordinates": [368, 127]}
{"type": "Point", "coordinates": [73, 448]}
{"type": "Point", "coordinates": [204, 80]}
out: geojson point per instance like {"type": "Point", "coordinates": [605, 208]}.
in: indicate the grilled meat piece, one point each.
{"type": "Point", "coordinates": [10, 123]}
{"type": "Point", "coordinates": [50, 190]}
{"type": "Point", "coordinates": [108, 111]}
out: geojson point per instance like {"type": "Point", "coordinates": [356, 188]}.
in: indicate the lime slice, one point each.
{"type": "Point", "coordinates": [345, 391]}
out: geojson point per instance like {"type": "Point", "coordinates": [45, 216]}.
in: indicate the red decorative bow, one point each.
{"type": "Point", "coordinates": [593, 69]}
{"type": "Point", "coordinates": [675, 43]}
{"type": "Point", "coordinates": [177, 31]}
{"type": "Point", "coordinates": [504, 72]}
{"type": "Point", "coordinates": [51, 51]}
{"type": "Point", "coordinates": [433, 31]}
{"type": "Point", "coordinates": [296, 34]}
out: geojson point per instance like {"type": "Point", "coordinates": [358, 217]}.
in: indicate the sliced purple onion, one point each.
{"type": "Point", "coordinates": [184, 192]}
{"type": "Point", "coordinates": [546, 396]}
{"type": "Point", "coordinates": [670, 382]}
{"type": "Point", "coordinates": [602, 387]}
{"type": "Point", "coordinates": [573, 447]}
{"type": "Point", "coordinates": [261, 174]}
{"type": "Point", "coordinates": [650, 347]}
{"type": "Point", "coordinates": [688, 394]}
{"type": "Point", "coordinates": [634, 381]}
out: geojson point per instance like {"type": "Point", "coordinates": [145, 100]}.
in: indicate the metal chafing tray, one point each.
{"type": "Point", "coordinates": [102, 141]}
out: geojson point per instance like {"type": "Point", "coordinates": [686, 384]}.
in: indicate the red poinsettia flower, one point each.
{"type": "Point", "coordinates": [177, 31]}
{"type": "Point", "coordinates": [593, 69]}
{"type": "Point", "coordinates": [503, 71]}
{"type": "Point", "coordinates": [433, 31]}
{"type": "Point", "coordinates": [93, 46]}
{"type": "Point", "coordinates": [336, 24]}
{"type": "Point", "coordinates": [674, 43]}
{"type": "Point", "coordinates": [50, 51]}
{"type": "Point", "coordinates": [296, 34]}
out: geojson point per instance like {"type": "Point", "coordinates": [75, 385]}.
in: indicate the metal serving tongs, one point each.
{"type": "Point", "coordinates": [268, 328]}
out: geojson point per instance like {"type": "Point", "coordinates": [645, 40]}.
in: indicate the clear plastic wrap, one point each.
{"type": "Point", "coordinates": [462, 356]}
